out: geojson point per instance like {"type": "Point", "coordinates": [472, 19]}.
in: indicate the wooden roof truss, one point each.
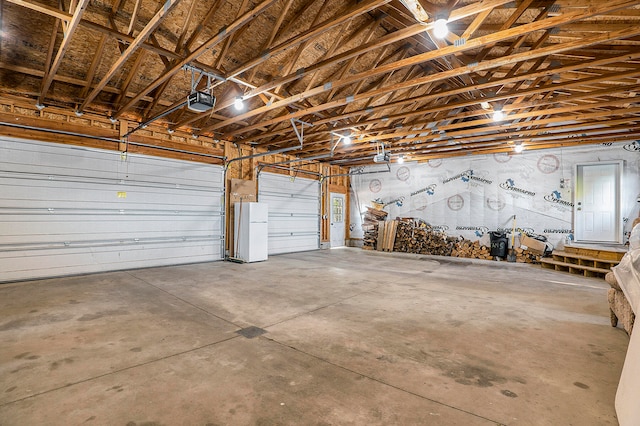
{"type": "Point", "coordinates": [564, 72]}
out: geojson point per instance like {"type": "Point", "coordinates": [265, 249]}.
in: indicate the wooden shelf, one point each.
{"type": "Point", "coordinates": [598, 253]}
{"type": "Point", "coordinates": [584, 262]}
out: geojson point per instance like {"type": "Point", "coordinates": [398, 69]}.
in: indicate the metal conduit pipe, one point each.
{"type": "Point", "coordinates": [59, 132]}
{"type": "Point", "coordinates": [181, 151]}
{"type": "Point", "coordinates": [301, 159]}
{"type": "Point", "coordinates": [103, 138]}
{"type": "Point", "coordinates": [262, 154]}
{"type": "Point", "coordinates": [358, 173]}
{"type": "Point", "coordinates": [262, 166]}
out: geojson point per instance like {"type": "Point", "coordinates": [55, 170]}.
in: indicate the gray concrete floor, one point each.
{"type": "Point", "coordinates": [352, 338]}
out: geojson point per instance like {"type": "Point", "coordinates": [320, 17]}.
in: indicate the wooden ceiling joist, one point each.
{"type": "Point", "coordinates": [131, 49]}
{"type": "Point", "coordinates": [66, 41]}
{"type": "Point", "coordinates": [474, 67]}
{"type": "Point", "coordinates": [218, 38]}
{"type": "Point", "coordinates": [369, 68]}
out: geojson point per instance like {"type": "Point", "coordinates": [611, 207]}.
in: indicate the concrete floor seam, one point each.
{"type": "Point", "coordinates": [371, 290]}
{"type": "Point", "coordinates": [100, 376]}
{"type": "Point", "coordinates": [187, 302]}
{"type": "Point", "coordinates": [322, 307]}
{"type": "Point", "coordinates": [382, 382]}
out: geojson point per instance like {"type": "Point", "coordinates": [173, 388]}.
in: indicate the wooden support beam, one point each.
{"type": "Point", "coordinates": [134, 16]}
{"type": "Point", "coordinates": [135, 44]}
{"type": "Point", "coordinates": [483, 66]}
{"type": "Point", "coordinates": [94, 65]}
{"type": "Point", "coordinates": [42, 8]}
{"type": "Point", "coordinates": [218, 38]}
{"type": "Point", "coordinates": [73, 25]}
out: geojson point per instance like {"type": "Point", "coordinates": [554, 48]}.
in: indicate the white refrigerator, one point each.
{"type": "Point", "coordinates": [251, 231]}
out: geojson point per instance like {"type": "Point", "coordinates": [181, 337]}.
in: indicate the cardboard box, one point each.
{"type": "Point", "coordinates": [533, 245]}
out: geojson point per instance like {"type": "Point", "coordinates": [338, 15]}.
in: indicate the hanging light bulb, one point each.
{"type": "Point", "coordinates": [346, 139]}
{"type": "Point", "coordinates": [238, 103]}
{"type": "Point", "coordinates": [498, 115]}
{"type": "Point", "coordinates": [519, 148]}
{"type": "Point", "coordinates": [401, 159]}
{"type": "Point", "coordinates": [440, 29]}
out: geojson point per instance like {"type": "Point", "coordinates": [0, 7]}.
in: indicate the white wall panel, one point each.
{"type": "Point", "coordinates": [294, 212]}
{"type": "Point", "coordinates": [69, 210]}
{"type": "Point", "coordinates": [470, 196]}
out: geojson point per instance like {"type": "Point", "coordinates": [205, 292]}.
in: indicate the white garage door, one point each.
{"type": "Point", "coordinates": [294, 212]}
{"type": "Point", "coordinates": [71, 210]}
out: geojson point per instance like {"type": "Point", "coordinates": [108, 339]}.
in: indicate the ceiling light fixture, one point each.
{"type": "Point", "coordinates": [238, 103]}
{"type": "Point", "coordinates": [401, 159]}
{"type": "Point", "coordinates": [485, 105]}
{"type": "Point", "coordinates": [440, 29]}
{"type": "Point", "coordinates": [40, 107]}
{"type": "Point", "coordinates": [519, 148]}
{"type": "Point", "coordinates": [79, 113]}
{"type": "Point", "coordinates": [498, 115]}
{"type": "Point", "coordinates": [346, 139]}
{"type": "Point", "coordinates": [170, 130]}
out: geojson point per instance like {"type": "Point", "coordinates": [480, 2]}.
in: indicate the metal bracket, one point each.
{"type": "Point", "coordinates": [300, 133]}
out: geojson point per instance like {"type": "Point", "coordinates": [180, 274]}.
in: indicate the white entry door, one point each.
{"type": "Point", "coordinates": [337, 220]}
{"type": "Point", "coordinates": [597, 206]}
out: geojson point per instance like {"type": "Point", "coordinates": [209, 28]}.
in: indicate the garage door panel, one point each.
{"type": "Point", "coordinates": [294, 212]}
{"type": "Point", "coordinates": [38, 194]}
{"type": "Point", "coordinates": [68, 261]}
{"type": "Point", "coordinates": [291, 206]}
{"type": "Point", "coordinates": [295, 224]}
{"type": "Point", "coordinates": [43, 159]}
{"type": "Point", "coordinates": [288, 244]}
{"type": "Point", "coordinates": [38, 230]}
{"type": "Point", "coordinates": [70, 210]}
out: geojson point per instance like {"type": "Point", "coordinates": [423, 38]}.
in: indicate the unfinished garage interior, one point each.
{"type": "Point", "coordinates": [319, 212]}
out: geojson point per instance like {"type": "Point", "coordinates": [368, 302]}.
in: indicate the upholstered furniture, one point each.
{"type": "Point", "coordinates": [619, 307]}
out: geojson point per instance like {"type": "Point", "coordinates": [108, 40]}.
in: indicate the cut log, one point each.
{"type": "Point", "coordinates": [370, 227]}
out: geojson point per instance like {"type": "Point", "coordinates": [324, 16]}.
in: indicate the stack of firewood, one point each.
{"type": "Point", "coordinates": [412, 237]}
{"type": "Point", "coordinates": [370, 227]}
{"type": "Point", "coordinates": [525, 256]}
{"type": "Point", "coordinates": [471, 249]}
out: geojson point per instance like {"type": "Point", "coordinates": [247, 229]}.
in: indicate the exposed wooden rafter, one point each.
{"type": "Point", "coordinates": [66, 41]}
{"type": "Point", "coordinates": [564, 71]}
